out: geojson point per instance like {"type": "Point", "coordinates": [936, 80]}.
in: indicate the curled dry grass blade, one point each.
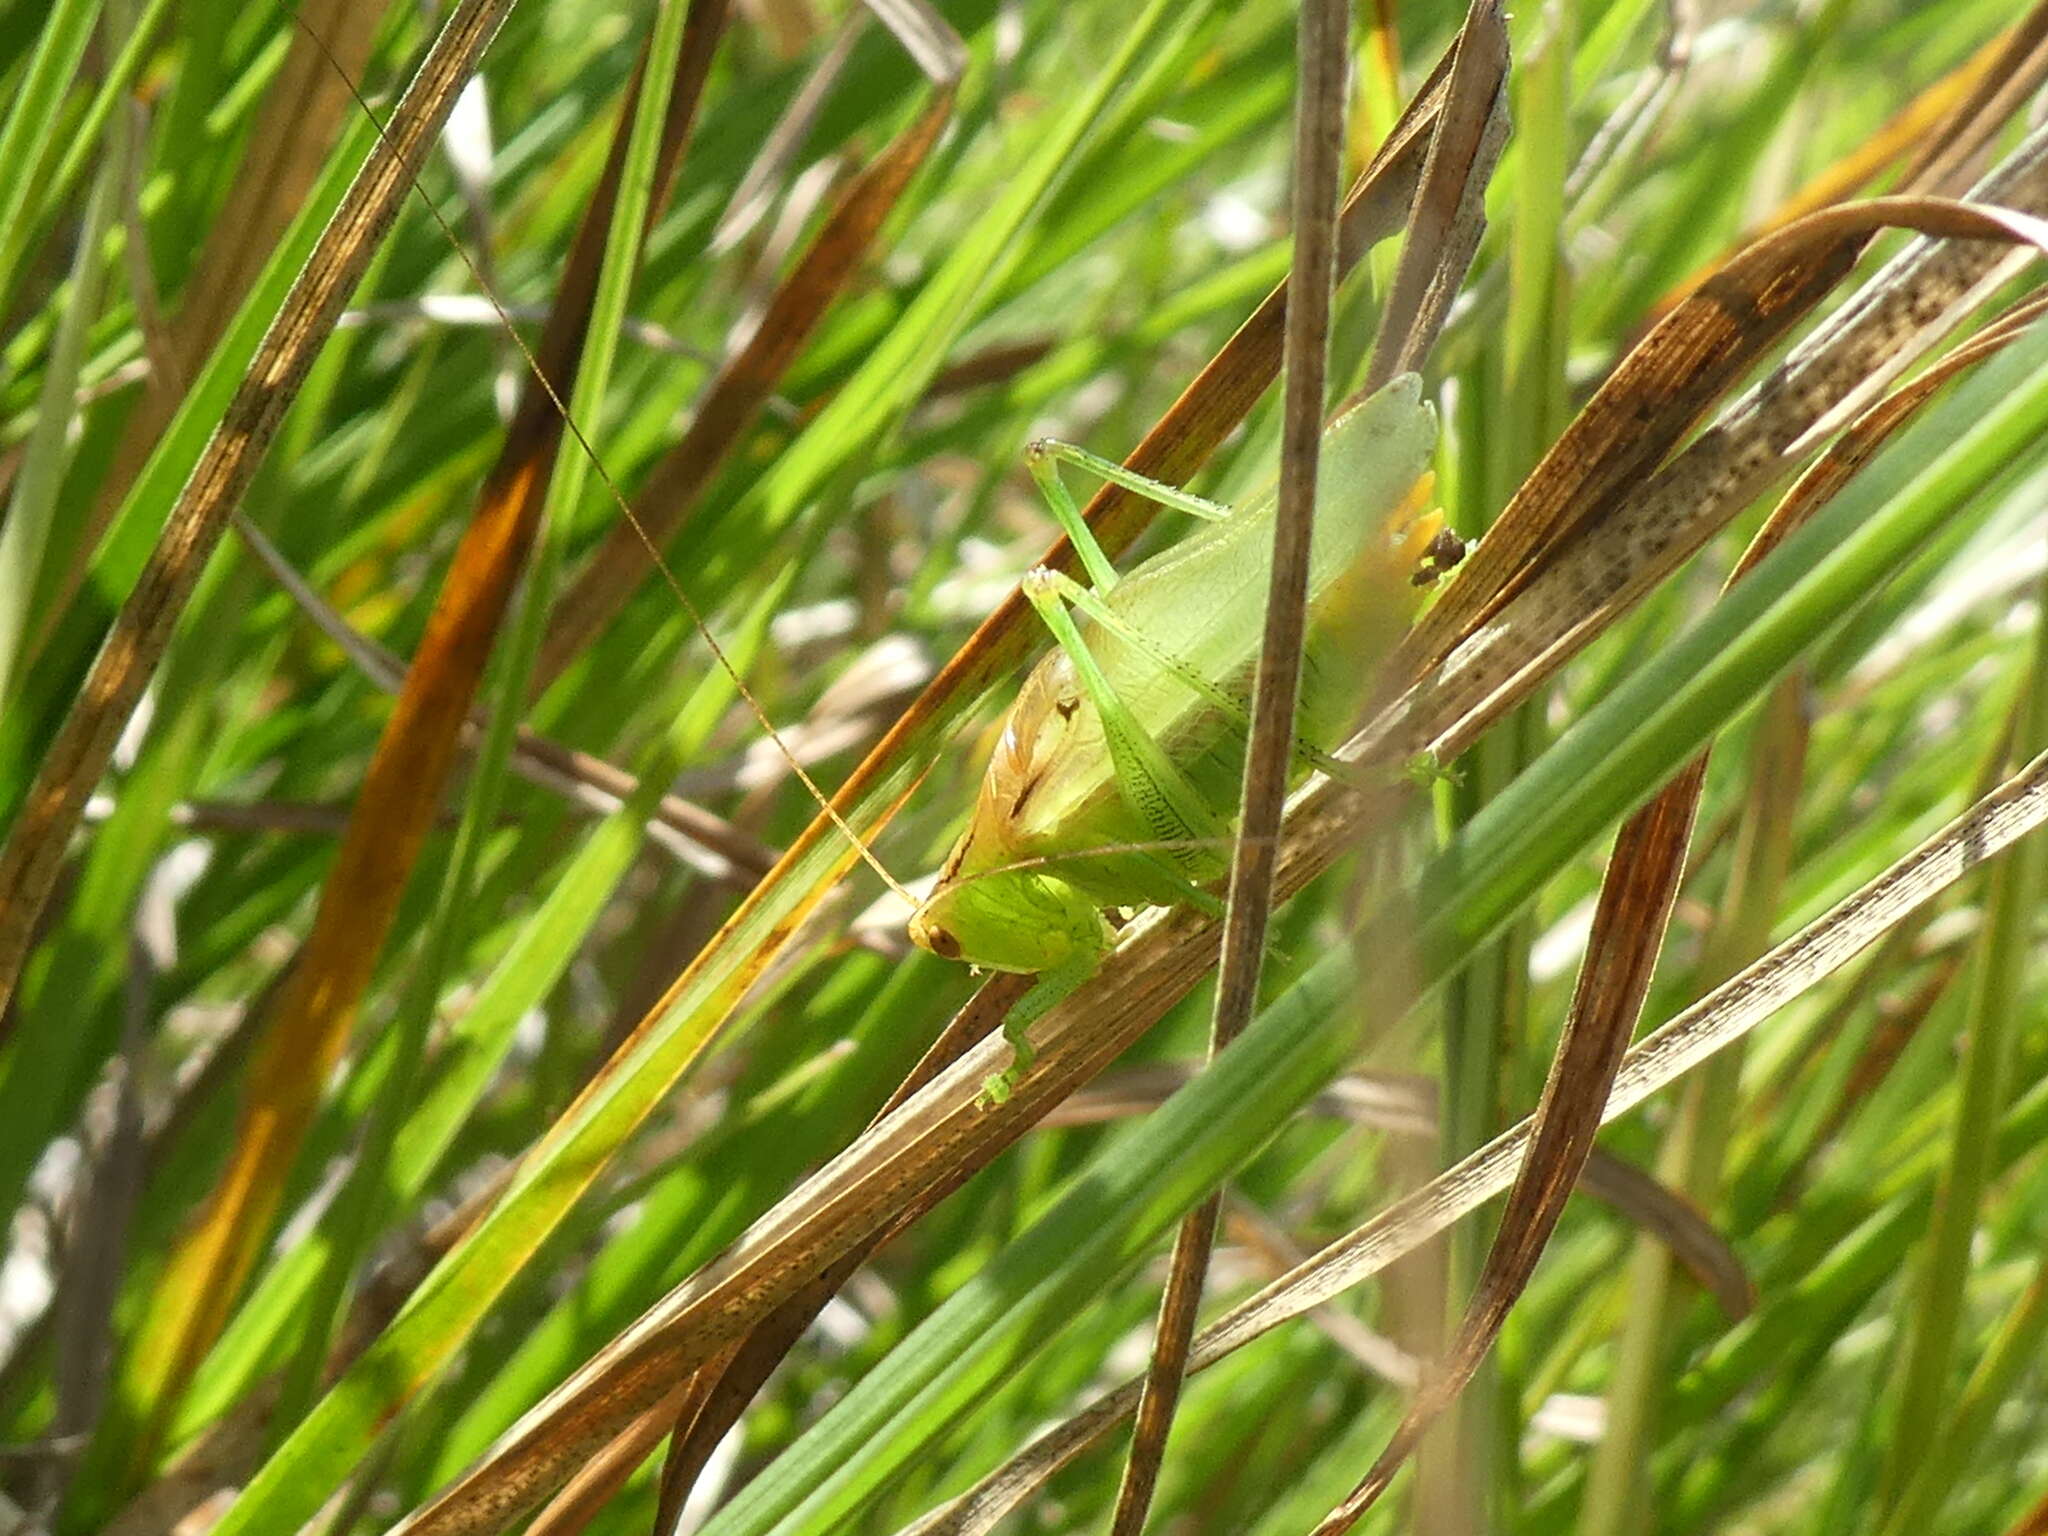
{"type": "Point", "coordinates": [1518, 613]}
{"type": "Point", "coordinates": [1936, 133]}
{"type": "Point", "coordinates": [1589, 480]}
{"type": "Point", "coordinates": [1629, 925]}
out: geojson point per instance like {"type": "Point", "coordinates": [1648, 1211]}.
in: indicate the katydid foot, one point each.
{"type": "Point", "coordinates": [1426, 770]}
{"type": "Point", "coordinates": [997, 1087]}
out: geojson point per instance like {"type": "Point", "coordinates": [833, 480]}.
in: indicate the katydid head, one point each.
{"type": "Point", "coordinates": [1010, 920]}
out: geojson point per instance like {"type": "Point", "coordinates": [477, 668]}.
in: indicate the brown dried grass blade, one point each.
{"type": "Point", "coordinates": [1640, 412]}
{"type": "Point", "coordinates": [302, 112]}
{"type": "Point", "coordinates": [724, 1388]}
{"type": "Point", "coordinates": [127, 659]}
{"type": "Point", "coordinates": [1405, 1104]}
{"type": "Point", "coordinates": [1594, 528]}
{"type": "Point", "coordinates": [1869, 432]}
{"type": "Point", "coordinates": [1444, 227]}
{"type": "Point", "coordinates": [1628, 928]}
{"type": "Point", "coordinates": [1449, 214]}
{"type": "Point", "coordinates": [598, 1481]}
{"type": "Point", "coordinates": [1322, 46]}
{"type": "Point", "coordinates": [1675, 1221]}
{"type": "Point", "coordinates": [394, 811]}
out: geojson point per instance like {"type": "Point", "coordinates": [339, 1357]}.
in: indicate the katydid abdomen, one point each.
{"type": "Point", "coordinates": [1119, 763]}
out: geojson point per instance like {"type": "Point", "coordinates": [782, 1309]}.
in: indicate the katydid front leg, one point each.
{"type": "Point", "coordinates": [1051, 987]}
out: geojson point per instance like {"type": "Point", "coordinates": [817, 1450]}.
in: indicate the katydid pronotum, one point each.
{"type": "Point", "coordinates": [1116, 775]}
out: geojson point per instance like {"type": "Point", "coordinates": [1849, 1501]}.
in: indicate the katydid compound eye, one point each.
{"type": "Point", "coordinates": [942, 943]}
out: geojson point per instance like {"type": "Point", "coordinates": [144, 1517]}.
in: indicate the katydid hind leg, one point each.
{"type": "Point", "coordinates": [1040, 458]}
{"type": "Point", "coordinates": [1152, 785]}
{"type": "Point", "coordinates": [1044, 450]}
{"type": "Point", "coordinates": [1091, 603]}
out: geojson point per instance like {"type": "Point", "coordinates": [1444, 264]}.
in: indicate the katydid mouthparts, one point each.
{"type": "Point", "coordinates": [1116, 777]}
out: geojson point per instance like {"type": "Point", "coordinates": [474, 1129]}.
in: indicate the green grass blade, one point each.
{"type": "Point", "coordinates": [33, 120]}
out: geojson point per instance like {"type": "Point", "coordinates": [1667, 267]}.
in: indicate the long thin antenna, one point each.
{"type": "Point", "coordinates": [653, 551]}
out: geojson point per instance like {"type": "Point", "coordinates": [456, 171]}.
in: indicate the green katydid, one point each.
{"type": "Point", "coordinates": [1116, 776]}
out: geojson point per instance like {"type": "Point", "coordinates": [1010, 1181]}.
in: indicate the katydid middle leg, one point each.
{"type": "Point", "coordinates": [1050, 987]}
